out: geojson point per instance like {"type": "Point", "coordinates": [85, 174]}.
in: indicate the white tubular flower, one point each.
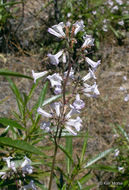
{"type": "Point", "coordinates": [27, 169]}
{"type": "Point", "coordinates": [45, 126]}
{"type": "Point", "coordinates": [120, 168]}
{"type": "Point", "coordinates": [55, 79]}
{"type": "Point", "coordinates": [44, 113]}
{"type": "Point", "coordinates": [78, 103]}
{"type": "Point", "coordinates": [79, 26]}
{"type": "Point", "coordinates": [10, 164]}
{"type": "Point", "coordinates": [8, 161]}
{"type": "Point", "coordinates": [54, 59]}
{"type": "Point", "coordinates": [71, 74]}
{"type": "Point", "coordinates": [89, 41]}
{"type": "Point", "coordinates": [38, 75]}
{"type": "Point", "coordinates": [116, 152]}
{"type": "Point", "coordinates": [64, 57]}
{"type": "Point", "coordinates": [115, 8]}
{"type": "Point", "coordinates": [56, 107]}
{"type": "Point", "coordinates": [76, 123]}
{"type": "Point", "coordinates": [72, 112]}
{"type": "Point", "coordinates": [120, 2]}
{"type": "Point", "coordinates": [93, 64]}
{"type": "Point", "coordinates": [126, 99]}
{"type": "Point", "coordinates": [110, 2]}
{"type": "Point", "coordinates": [89, 75]}
{"type": "Point", "coordinates": [26, 166]}
{"type": "Point", "coordinates": [58, 89]}
{"type": "Point", "coordinates": [57, 30]}
{"type": "Point", "coordinates": [26, 162]}
{"type": "Point", "coordinates": [69, 129]}
{"type": "Point", "coordinates": [93, 89]}
{"type": "Point", "coordinates": [31, 186]}
{"type": "Point", "coordinates": [121, 23]}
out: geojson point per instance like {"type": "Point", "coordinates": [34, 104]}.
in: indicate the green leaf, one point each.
{"type": "Point", "coordinates": [69, 148]}
{"type": "Point", "coordinates": [17, 94]}
{"type": "Point", "coordinates": [85, 178]}
{"type": "Point", "coordinates": [41, 97]}
{"type": "Point", "coordinates": [105, 168]}
{"type": "Point", "coordinates": [123, 132]}
{"type": "Point", "coordinates": [14, 74]}
{"type": "Point", "coordinates": [40, 100]}
{"type": "Point", "coordinates": [50, 100]}
{"type": "Point", "coordinates": [20, 144]}
{"type": "Point", "coordinates": [66, 153]}
{"type": "Point", "coordinates": [98, 157]}
{"type": "Point", "coordinates": [5, 121]}
{"type": "Point", "coordinates": [84, 147]}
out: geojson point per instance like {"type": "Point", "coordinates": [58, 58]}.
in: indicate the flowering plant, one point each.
{"type": "Point", "coordinates": [63, 120]}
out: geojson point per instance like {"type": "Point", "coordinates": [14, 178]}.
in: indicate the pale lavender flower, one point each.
{"type": "Point", "coordinates": [110, 2]}
{"type": "Point", "coordinates": [45, 126]}
{"type": "Point", "coordinates": [30, 186]}
{"type": "Point", "coordinates": [105, 28]}
{"type": "Point", "coordinates": [120, 2]}
{"type": "Point", "coordinates": [126, 99]}
{"type": "Point", "coordinates": [55, 79]}
{"type": "Point", "coordinates": [120, 168]}
{"type": "Point", "coordinates": [78, 103]}
{"type": "Point", "coordinates": [93, 64]}
{"type": "Point", "coordinates": [69, 15]}
{"type": "Point", "coordinates": [38, 75]}
{"type": "Point", "coordinates": [64, 57]}
{"type": "Point", "coordinates": [26, 166]}
{"type": "Point", "coordinates": [54, 59]}
{"type": "Point", "coordinates": [73, 123]}
{"type": "Point", "coordinates": [89, 41]}
{"type": "Point", "coordinates": [57, 30]}
{"type": "Point", "coordinates": [10, 164]}
{"type": "Point", "coordinates": [121, 23]}
{"type": "Point", "coordinates": [56, 107]}
{"type": "Point", "coordinates": [115, 8]}
{"type": "Point", "coordinates": [91, 89]}
{"type": "Point", "coordinates": [122, 88]}
{"type": "Point", "coordinates": [125, 78]}
{"type": "Point", "coordinates": [26, 162]}
{"type": "Point", "coordinates": [44, 113]}
{"type": "Point", "coordinates": [89, 75]}
{"type": "Point", "coordinates": [58, 89]}
{"type": "Point", "coordinates": [79, 26]}
{"type": "Point", "coordinates": [71, 74]}
{"type": "Point", "coordinates": [72, 112]}
{"type": "Point", "coordinates": [117, 152]}
{"type": "Point", "coordinates": [94, 12]}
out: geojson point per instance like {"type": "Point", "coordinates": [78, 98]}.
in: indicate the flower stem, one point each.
{"type": "Point", "coordinates": [53, 165]}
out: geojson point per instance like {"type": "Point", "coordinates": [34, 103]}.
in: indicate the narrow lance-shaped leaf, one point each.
{"type": "Point", "coordinates": [98, 157]}
{"type": "Point", "coordinates": [84, 147]}
{"type": "Point", "coordinates": [17, 93]}
{"type": "Point", "coordinates": [20, 144]}
{"type": "Point", "coordinates": [69, 148]}
{"type": "Point", "coordinates": [5, 121]}
{"type": "Point", "coordinates": [13, 74]}
{"type": "Point", "coordinates": [50, 100]}
{"type": "Point", "coordinates": [123, 132]}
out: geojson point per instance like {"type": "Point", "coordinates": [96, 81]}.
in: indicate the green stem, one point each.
{"type": "Point", "coordinates": [53, 165]}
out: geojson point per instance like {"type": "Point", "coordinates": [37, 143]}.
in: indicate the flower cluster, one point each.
{"type": "Point", "coordinates": [65, 113]}
{"type": "Point", "coordinates": [13, 167]}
